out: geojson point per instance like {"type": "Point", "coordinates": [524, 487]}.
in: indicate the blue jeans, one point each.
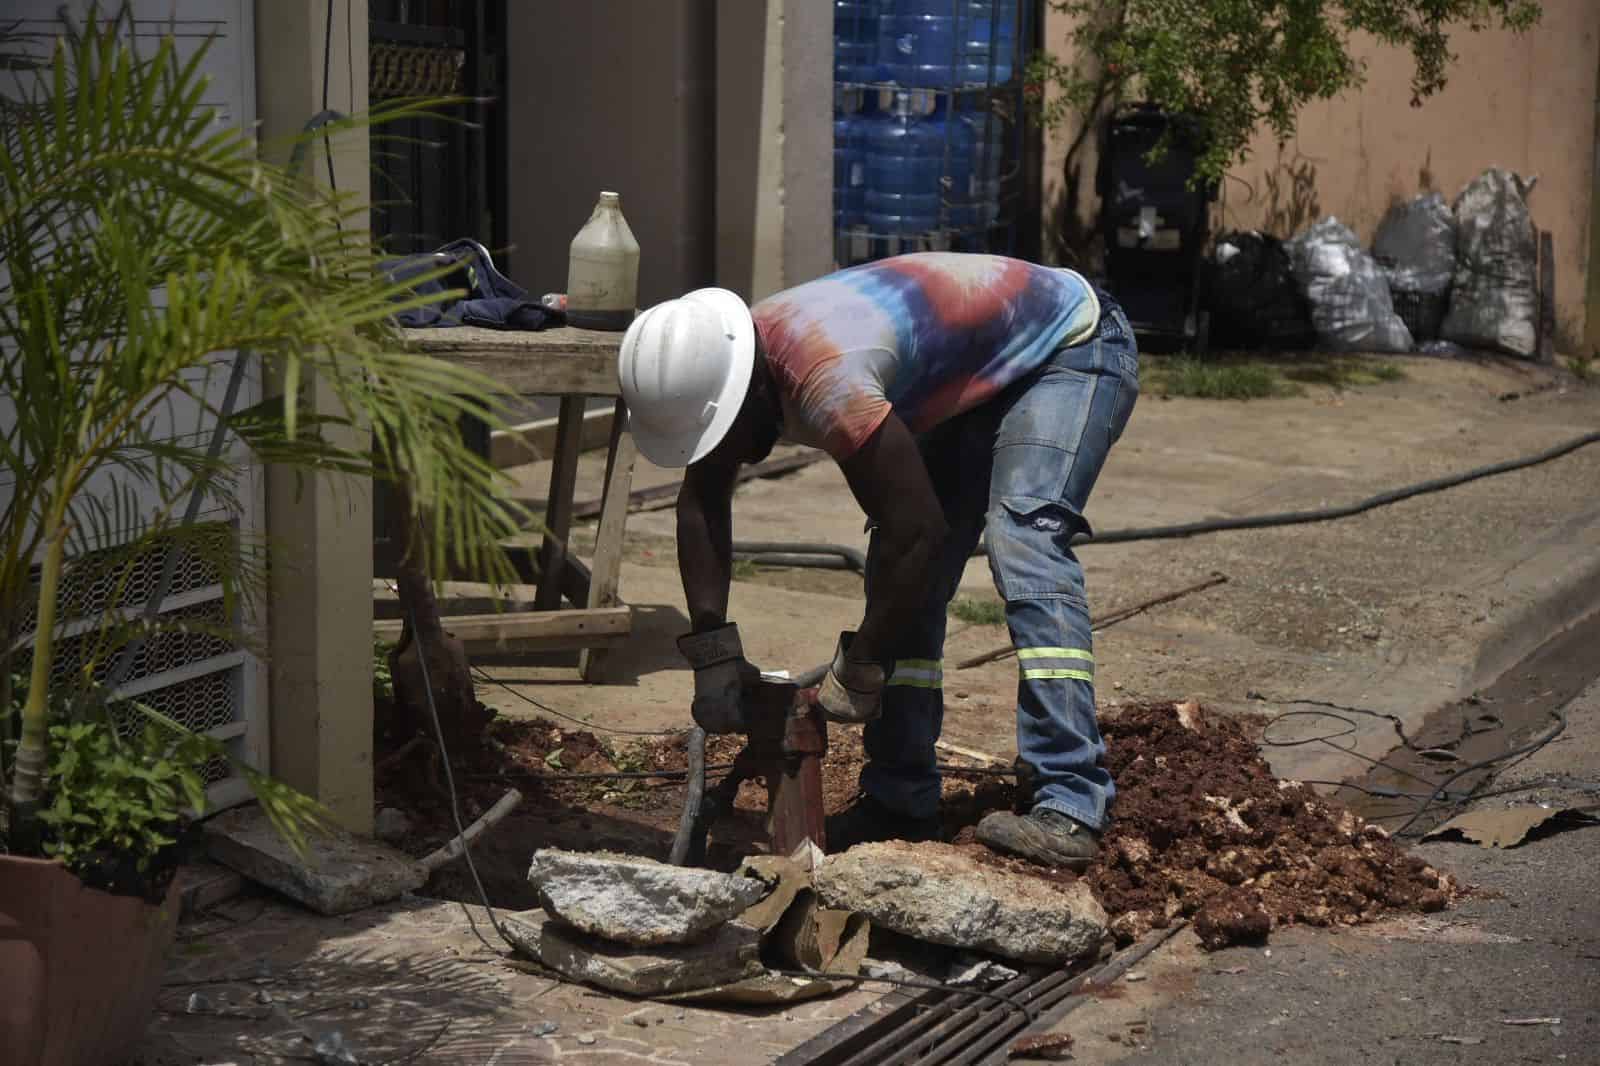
{"type": "Point", "coordinates": [1022, 465]}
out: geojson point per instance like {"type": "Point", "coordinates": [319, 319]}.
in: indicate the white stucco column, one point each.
{"type": "Point", "coordinates": [320, 597]}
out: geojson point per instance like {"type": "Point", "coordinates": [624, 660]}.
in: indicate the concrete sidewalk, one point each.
{"type": "Point", "coordinates": [1398, 610]}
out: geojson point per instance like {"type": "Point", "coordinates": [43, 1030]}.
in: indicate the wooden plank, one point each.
{"type": "Point", "coordinates": [532, 441]}
{"type": "Point", "coordinates": [456, 597]}
{"type": "Point", "coordinates": [1547, 297]}
{"type": "Point", "coordinates": [575, 628]}
{"type": "Point", "coordinates": [620, 457]}
{"type": "Point", "coordinates": [558, 508]}
{"type": "Point", "coordinates": [571, 362]}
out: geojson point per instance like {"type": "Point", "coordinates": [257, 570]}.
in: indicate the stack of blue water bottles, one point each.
{"type": "Point", "coordinates": [918, 147]}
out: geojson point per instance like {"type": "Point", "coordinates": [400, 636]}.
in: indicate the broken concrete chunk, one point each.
{"type": "Point", "coordinates": [813, 938]}
{"type": "Point", "coordinates": [940, 893]}
{"type": "Point", "coordinates": [340, 873]}
{"type": "Point", "coordinates": [729, 954]}
{"type": "Point", "coordinates": [638, 901]}
{"type": "Point", "coordinates": [786, 880]}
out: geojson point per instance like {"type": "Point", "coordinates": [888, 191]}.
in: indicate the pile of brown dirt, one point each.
{"type": "Point", "coordinates": [1202, 829]}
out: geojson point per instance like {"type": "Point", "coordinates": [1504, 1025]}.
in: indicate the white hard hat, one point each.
{"type": "Point", "coordinates": [684, 369]}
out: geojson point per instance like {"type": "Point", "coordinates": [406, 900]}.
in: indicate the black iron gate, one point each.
{"type": "Point", "coordinates": [435, 180]}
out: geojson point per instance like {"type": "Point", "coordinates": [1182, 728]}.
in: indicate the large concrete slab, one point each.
{"type": "Point", "coordinates": [944, 895]}
{"type": "Point", "coordinates": [338, 873]}
{"type": "Point", "coordinates": [636, 900]}
{"type": "Point", "coordinates": [730, 953]}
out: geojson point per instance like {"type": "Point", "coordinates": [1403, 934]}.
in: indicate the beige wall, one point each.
{"type": "Point", "coordinates": [618, 95]}
{"type": "Point", "coordinates": [712, 118]}
{"type": "Point", "coordinates": [1527, 103]}
{"type": "Point", "coordinates": [774, 144]}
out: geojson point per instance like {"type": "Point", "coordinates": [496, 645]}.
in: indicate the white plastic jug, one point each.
{"type": "Point", "coordinates": [603, 272]}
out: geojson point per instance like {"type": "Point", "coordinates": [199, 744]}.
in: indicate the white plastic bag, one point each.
{"type": "Point", "coordinates": [1495, 299]}
{"type": "Point", "coordinates": [1348, 292]}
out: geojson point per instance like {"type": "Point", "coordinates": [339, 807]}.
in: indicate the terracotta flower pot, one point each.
{"type": "Point", "coordinates": [79, 968]}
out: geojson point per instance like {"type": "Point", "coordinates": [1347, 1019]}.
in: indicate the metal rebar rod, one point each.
{"type": "Point", "coordinates": [690, 818]}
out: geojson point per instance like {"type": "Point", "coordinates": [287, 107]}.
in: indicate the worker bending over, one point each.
{"type": "Point", "coordinates": [957, 393]}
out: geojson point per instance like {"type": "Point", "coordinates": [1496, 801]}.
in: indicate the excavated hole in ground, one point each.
{"type": "Point", "coordinates": [1201, 828]}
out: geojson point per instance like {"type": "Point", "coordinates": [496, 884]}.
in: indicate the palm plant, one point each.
{"type": "Point", "coordinates": [142, 245]}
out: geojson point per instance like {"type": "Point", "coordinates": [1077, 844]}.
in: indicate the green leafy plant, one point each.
{"type": "Point", "coordinates": [1241, 65]}
{"type": "Point", "coordinates": [382, 678]}
{"type": "Point", "coordinates": [145, 248]}
{"type": "Point", "coordinates": [117, 804]}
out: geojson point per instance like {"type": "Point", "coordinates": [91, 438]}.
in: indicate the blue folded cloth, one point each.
{"type": "Point", "coordinates": [493, 300]}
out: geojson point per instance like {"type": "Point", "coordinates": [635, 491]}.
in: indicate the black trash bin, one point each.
{"type": "Point", "coordinates": [1155, 221]}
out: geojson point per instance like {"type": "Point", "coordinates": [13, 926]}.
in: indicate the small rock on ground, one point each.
{"type": "Point", "coordinates": [638, 901]}
{"type": "Point", "coordinates": [938, 893]}
{"type": "Point", "coordinates": [391, 825]}
{"type": "Point", "coordinates": [731, 953]}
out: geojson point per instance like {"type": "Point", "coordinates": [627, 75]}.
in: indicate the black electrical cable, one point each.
{"type": "Point", "coordinates": [1392, 719]}
{"type": "Point", "coordinates": [1575, 784]}
{"type": "Point", "coordinates": [1329, 738]}
{"type": "Point", "coordinates": [562, 714]}
{"type": "Point", "coordinates": [482, 676]}
{"type": "Point", "coordinates": [455, 813]}
{"type": "Point", "coordinates": [1437, 792]}
{"type": "Point", "coordinates": [794, 554]}
{"type": "Point", "coordinates": [327, 64]}
{"type": "Point", "coordinates": [611, 775]}
{"type": "Point", "coordinates": [1516, 755]}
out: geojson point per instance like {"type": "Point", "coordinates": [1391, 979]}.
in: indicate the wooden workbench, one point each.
{"type": "Point", "coordinates": [572, 364]}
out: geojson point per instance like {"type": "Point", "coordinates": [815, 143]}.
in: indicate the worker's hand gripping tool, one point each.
{"type": "Point", "coordinates": [785, 740]}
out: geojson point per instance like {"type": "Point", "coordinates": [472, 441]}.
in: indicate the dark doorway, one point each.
{"type": "Point", "coordinates": [436, 179]}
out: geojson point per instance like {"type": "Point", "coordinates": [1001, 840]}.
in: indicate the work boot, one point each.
{"type": "Point", "coordinates": [866, 821]}
{"type": "Point", "coordinates": [1042, 836]}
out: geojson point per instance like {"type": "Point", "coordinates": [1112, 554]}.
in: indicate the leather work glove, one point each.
{"type": "Point", "coordinates": [721, 676]}
{"type": "Point", "coordinates": [852, 692]}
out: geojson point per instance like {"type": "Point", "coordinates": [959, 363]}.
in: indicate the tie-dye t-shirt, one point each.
{"type": "Point", "coordinates": [927, 335]}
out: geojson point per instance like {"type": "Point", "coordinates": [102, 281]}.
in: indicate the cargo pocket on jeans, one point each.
{"type": "Point", "coordinates": [1029, 541]}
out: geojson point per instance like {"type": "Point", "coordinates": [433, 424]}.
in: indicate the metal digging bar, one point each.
{"type": "Point", "coordinates": [785, 740]}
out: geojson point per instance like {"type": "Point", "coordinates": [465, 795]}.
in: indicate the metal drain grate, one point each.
{"type": "Point", "coordinates": [949, 1027]}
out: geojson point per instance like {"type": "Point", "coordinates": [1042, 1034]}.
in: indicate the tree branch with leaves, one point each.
{"type": "Point", "coordinates": [1240, 66]}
